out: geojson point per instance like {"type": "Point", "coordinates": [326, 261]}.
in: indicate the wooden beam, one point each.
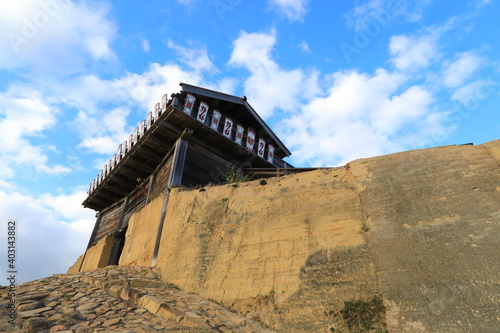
{"type": "Point", "coordinates": [106, 193]}
{"type": "Point", "coordinates": [138, 162]}
{"type": "Point", "coordinates": [152, 180]}
{"type": "Point", "coordinates": [116, 188]}
{"type": "Point", "coordinates": [123, 185]}
{"type": "Point", "coordinates": [133, 172]}
{"type": "Point", "coordinates": [94, 231]}
{"type": "Point", "coordinates": [150, 152]}
{"type": "Point", "coordinates": [175, 178]}
{"type": "Point", "coordinates": [99, 199]}
{"type": "Point", "coordinates": [119, 237]}
{"type": "Point", "coordinates": [171, 127]}
{"type": "Point", "coordinates": [160, 228]}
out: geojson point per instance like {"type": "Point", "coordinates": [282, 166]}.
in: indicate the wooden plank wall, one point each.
{"type": "Point", "coordinates": [111, 218]}
{"type": "Point", "coordinates": [161, 180]}
{"type": "Point", "coordinates": [109, 222]}
{"type": "Point", "coordinates": [136, 202]}
{"type": "Point", "coordinates": [203, 167]}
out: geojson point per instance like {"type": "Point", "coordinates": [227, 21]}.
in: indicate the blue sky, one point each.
{"type": "Point", "coordinates": [336, 80]}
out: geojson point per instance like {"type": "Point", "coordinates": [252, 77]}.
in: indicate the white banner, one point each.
{"type": "Point", "coordinates": [228, 127]}
{"type": "Point", "coordinates": [261, 148]}
{"type": "Point", "coordinates": [250, 139]}
{"type": "Point", "coordinates": [142, 128]}
{"type": "Point", "coordinates": [202, 112]}
{"type": "Point", "coordinates": [130, 141]}
{"type": "Point", "coordinates": [164, 103]}
{"type": "Point", "coordinates": [239, 134]}
{"type": "Point", "coordinates": [270, 154]}
{"type": "Point", "coordinates": [157, 112]}
{"type": "Point", "coordinates": [189, 103]}
{"type": "Point", "coordinates": [119, 153]}
{"type": "Point", "coordinates": [215, 120]}
{"type": "Point", "coordinates": [149, 120]}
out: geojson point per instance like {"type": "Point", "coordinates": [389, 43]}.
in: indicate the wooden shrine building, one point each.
{"type": "Point", "coordinates": [190, 139]}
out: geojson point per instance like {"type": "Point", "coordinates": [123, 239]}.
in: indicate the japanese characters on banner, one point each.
{"type": "Point", "coordinates": [202, 115]}
{"type": "Point", "coordinates": [250, 139]}
{"type": "Point", "coordinates": [261, 148]}
{"type": "Point", "coordinates": [239, 134]}
{"type": "Point", "coordinates": [228, 127]}
{"type": "Point", "coordinates": [215, 120]}
{"type": "Point", "coordinates": [270, 153]}
{"type": "Point", "coordinates": [189, 103]}
{"type": "Point", "coordinates": [202, 112]}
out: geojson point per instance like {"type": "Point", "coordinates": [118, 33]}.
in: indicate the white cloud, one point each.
{"type": "Point", "coordinates": [102, 129]}
{"type": "Point", "coordinates": [146, 89]}
{"type": "Point", "coordinates": [350, 115]}
{"type": "Point", "coordinates": [56, 36]}
{"type": "Point", "coordinates": [145, 46]}
{"type": "Point", "coordinates": [305, 47]}
{"type": "Point", "coordinates": [472, 93]}
{"type": "Point", "coordinates": [386, 10]}
{"type": "Point", "coordinates": [270, 86]}
{"type": "Point", "coordinates": [25, 115]}
{"type": "Point", "coordinates": [456, 72]}
{"type": "Point", "coordinates": [103, 133]}
{"type": "Point", "coordinates": [52, 231]}
{"type": "Point", "coordinates": [294, 10]}
{"type": "Point", "coordinates": [360, 115]}
{"type": "Point", "coordinates": [410, 53]}
{"type": "Point", "coordinates": [195, 57]}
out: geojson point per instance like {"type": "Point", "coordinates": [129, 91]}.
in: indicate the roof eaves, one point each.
{"type": "Point", "coordinates": [238, 100]}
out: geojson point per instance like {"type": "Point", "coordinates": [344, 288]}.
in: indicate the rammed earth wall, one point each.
{"type": "Point", "coordinates": [420, 228]}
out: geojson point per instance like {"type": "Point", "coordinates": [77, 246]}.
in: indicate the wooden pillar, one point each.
{"type": "Point", "coordinates": [119, 235]}
{"type": "Point", "coordinates": [179, 158]}
{"type": "Point", "coordinates": [175, 178]}
{"type": "Point", "coordinates": [94, 231]}
{"type": "Point", "coordinates": [150, 187]}
{"type": "Point", "coordinates": [92, 237]}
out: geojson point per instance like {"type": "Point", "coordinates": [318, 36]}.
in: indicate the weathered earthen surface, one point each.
{"type": "Point", "coordinates": [434, 219]}
{"type": "Point", "coordinates": [419, 228]}
{"type": "Point", "coordinates": [141, 234]}
{"type": "Point", "coordinates": [95, 257]}
{"type": "Point", "coordinates": [281, 243]}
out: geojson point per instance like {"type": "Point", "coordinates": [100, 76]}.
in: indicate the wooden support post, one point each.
{"type": "Point", "coordinates": [175, 178]}
{"type": "Point", "coordinates": [119, 235]}
{"type": "Point", "coordinates": [181, 145]}
{"type": "Point", "coordinates": [150, 187]}
{"type": "Point", "coordinates": [160, 227]}
{"type": "Point", "coordinates": [94, 231]}
{"type": "Point", "coordinates": [91, 240]}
